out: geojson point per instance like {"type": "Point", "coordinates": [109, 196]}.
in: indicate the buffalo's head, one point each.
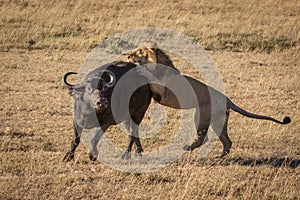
{"type": "Point", "coordinates": [93, 91]}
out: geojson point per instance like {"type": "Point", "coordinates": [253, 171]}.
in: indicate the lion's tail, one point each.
{"type": "Point", "coordinates": [234, 107]}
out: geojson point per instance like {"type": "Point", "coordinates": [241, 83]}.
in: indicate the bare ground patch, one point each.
{"type": "Point", "coordinates": [36, 112]}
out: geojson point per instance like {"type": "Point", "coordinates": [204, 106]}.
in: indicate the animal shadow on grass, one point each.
{"type": "Point", "coordinates": [16, 134]}
{"type": "Point", "coordinates": [11, 141]}
{"type": "Point", "coordinates": [272, 161]}
{"type": "Point", "coordinates": [2, 134]}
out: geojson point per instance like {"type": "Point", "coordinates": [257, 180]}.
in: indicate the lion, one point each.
{"type": "Point", "coordinates": [174, 90]}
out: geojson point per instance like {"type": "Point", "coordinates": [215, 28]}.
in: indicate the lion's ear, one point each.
{"type": "Point", "coordinates": [152, 50]}
{"type": "Point", "coordinates": [152, 55]}
{"type": "Point", "coordinates": [129, 52]}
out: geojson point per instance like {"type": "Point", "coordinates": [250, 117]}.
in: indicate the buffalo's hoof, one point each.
{"type": "Point", "coordinates": [126, 155]}
{"type": "Point", "coordinates": [139, 151]}
{"type": "Point", "coordinates": [187, 148]}
{"type": "Point", "coordinates": [68, 157]}
{"type": "Point", "coordinates": [92, 157]}
{"type": "Point", "coordinates": [139, 154]}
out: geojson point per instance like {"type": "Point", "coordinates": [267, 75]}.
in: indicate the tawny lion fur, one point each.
{"type": "Point", "coordinates": [174, 90]}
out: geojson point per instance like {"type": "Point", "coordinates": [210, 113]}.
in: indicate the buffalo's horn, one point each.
{"type": "Point", "coordinates": [112, 78]}
{"type": "Point", "coordinates": [64, 79]}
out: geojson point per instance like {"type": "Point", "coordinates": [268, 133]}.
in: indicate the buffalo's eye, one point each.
{"type": "Point", "coordinates": [101, 88]}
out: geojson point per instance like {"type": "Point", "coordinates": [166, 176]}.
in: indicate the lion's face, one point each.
{"type": "Point", "coordinates": [142, 56]}
{"type": "Point", "coordinates": [148, 52]}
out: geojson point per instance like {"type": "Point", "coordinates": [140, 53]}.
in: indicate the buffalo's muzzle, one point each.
{"type": "Point", "coordinates": [102, 103]}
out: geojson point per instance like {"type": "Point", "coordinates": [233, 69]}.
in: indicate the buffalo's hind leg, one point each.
{"type": "Point", "coordinates": [75, 142]}
{"type": "Point", "coordinates": [132, 128]}
{"type": "Point", "coordinates": [132, 140]}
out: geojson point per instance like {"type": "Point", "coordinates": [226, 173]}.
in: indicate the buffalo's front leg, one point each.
{"type": "Point", "coordinates": [133, 139]}
{"type": "Point", "coordinates": [75, 142]}
{"type": "Point", "coordinates": [94, 142]}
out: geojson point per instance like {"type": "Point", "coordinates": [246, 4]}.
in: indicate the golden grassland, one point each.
{"type": "Point", "coordinates": [255, 45]}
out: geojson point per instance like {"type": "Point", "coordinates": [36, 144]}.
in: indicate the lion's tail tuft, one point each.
{"type": "Point", "coordinates": [287, 120]}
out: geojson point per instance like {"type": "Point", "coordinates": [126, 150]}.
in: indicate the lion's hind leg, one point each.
{"type": "Point", "coordinates": [221, 125]}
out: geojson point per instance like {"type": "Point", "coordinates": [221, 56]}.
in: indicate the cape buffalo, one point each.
{"type": "Point", "coordinates": [99, 103]}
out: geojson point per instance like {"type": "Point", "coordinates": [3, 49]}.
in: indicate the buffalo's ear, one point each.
{"type": "Point", "coordinates": [77, 95]}
{"type": "Point", "coordinates": [77, 90]}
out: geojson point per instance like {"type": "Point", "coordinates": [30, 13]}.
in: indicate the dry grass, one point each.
{"type": "Point", "coordinates": [255, 45]}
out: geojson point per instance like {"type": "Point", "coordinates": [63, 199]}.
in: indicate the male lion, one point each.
{"type": "Point", "coordinates": [174, 90]}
